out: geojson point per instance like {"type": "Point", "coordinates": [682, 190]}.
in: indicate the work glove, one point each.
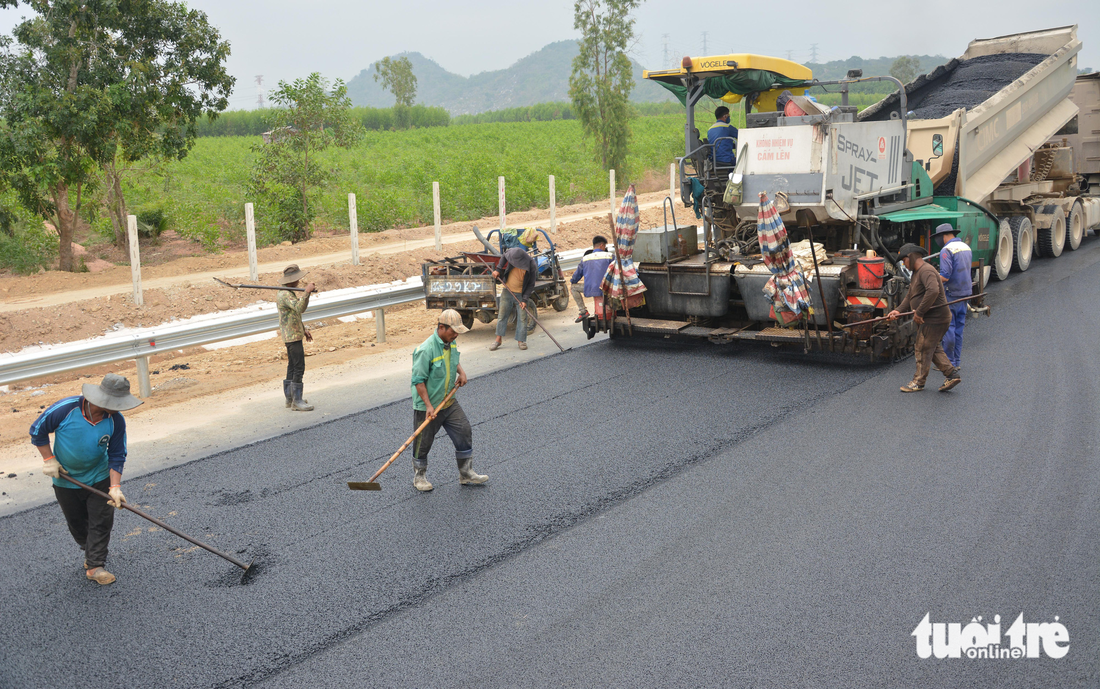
{"type": "Point", "coordinates": [52, 468]}
{"type": "Point", "coordinates": [117, 498]}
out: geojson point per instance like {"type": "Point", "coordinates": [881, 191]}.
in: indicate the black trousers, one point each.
{"type": "Point", "coordinates": [90, 519]}
{"type": "Point", "coordinates": [295, 361]}
{"type": "Point", "coordinates": [453, 420]}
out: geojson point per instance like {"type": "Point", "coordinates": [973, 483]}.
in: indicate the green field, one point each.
{"type": "Point", "coordinates": [391, 173]}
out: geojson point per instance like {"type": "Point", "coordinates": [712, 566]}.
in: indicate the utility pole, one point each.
{"type": "Point", "coordinates": [705, 43]}
{"type": "Point", "coordinates": [813, 52]}
{"type": "Point", "coordinates": [259, 90]}
{"type": "Point", "coordinates": [789, 53]}
{"type": "Point", "coordinates": [666, 62]}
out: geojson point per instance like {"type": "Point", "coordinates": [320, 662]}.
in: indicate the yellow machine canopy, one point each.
{"type": "Point", "coordinates": [732, 77]}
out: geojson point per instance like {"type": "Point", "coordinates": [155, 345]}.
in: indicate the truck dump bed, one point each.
{"type": "Point", "coordinates": [993, 106]}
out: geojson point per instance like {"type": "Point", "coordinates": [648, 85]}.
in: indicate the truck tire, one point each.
{"type": "Point", "coordinates": [1002, 260]}
{"type": "Point", "coordinates": [561, 303]}
{"type": "Point", "coordinates": [1075, 226]}
{"type": "Point", "coordinates": [485, 316]}
{"type": "Point", "coordinates": [1052, 240]}
{"type": "Point", "coordinates": [1023, 242]}
{"type": "Point", "coordinates": [467, 318]}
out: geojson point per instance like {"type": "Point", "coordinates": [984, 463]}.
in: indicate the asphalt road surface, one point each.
{"type": "Point", "coordinates": [691, 517]}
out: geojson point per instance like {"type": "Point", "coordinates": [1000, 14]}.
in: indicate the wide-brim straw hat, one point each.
{"type": "Point", "coordinates": [112, 393]}
{"type": "Point", "coordinates": [292, 273]}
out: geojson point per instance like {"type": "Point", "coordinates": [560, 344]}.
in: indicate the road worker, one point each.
{"type": "Point", "coordinates": [435, 370]}
{"type": "Point", "coordinates": [723, 138]}
{"type": "Point", "coordinates": [930, 312]}
{"type": "Point", "coordinates": [591, 270]}
{"type": "Point", "coordinates": [955, 260]}
{"type": "Point", "coordinates": [519, 272]}
{"type": "Point", "coordinates": [89, 444]}
{"type": "Point", "coordinates": [293, 331]}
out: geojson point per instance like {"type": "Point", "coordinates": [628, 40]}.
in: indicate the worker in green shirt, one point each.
{"type": "Point", "coordinates": [435, 372]}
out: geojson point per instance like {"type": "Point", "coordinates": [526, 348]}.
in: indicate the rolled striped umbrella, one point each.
{"type": "Point", "coordinates": [787, 285]}
{"type": "Point", "coordinates": [626, 285]}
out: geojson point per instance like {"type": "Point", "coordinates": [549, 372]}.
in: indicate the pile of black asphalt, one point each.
{"type": "Point", "coordinates": [654, 517]}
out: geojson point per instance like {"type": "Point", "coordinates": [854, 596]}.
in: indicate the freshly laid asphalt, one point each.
{"type": "Point", "coordinates": [698, 516]}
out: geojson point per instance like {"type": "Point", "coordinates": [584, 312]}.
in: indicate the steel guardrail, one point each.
{"type": "Point", "coordinates": [210, 328]}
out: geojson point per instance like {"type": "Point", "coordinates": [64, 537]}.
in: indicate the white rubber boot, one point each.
{"type": "Point", "coordinates": [466, 474]}
{"type": "Point", "coordinates": [420, 480]}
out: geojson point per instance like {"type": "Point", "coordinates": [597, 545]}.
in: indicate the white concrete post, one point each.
{"type": "Point", "coordinates": [672, 180]}
{"type": "Point", "coordinates": [611, 180]}
{"type": "Point", "coordinates": [145, 388]}
{"type": "Point", "coordinates": [380, 324]}
{"type": "Point", "coordinates": [438, 224]}
{"type": "Point", "coordinates": [135, 257]}
{"type": "Point", "coordinates": [353, 223]}
{"type": "Point", "coordinates": [553, 207]}
{"type": "Point", "coordinates": [500, 199]}
{"type": "Point", "coordinates": [250, 233]}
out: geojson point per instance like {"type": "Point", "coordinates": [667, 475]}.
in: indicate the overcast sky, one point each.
{"type": "Point", "coordinates": [285, 39]}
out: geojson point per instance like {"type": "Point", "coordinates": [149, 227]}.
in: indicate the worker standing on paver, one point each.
{"type": "Point", "coordinates": [293, 331]}
{"type": "Point", "coordinates": [930, 312]}
{"type": "Point", "coordinates": [435, 370]}
{"type": "Point", "coordinates": [591, 270]}
{"type": "Point", "coordinates": [519, 272]}
{"type": "Point", "coordinates": [955, 260]}
{"type": "Point", "coordinates": [89, 444]}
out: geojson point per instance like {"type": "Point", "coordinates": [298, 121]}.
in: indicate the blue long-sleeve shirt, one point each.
{"type": "Point", "coordinates": [592, 269]}
{"type": "Point", "coordinates": [955, 260]}
{"type": "Point", "coordinates": [87, 451]}
{"type": "Point", "coordinates": [723, 136]}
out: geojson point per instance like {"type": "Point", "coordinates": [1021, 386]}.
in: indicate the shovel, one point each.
{"type": "Point", "coordinates": [247, 568]}
{"type": "Point", "coordinates": [371, 484]}
{"type": "Point", "coordinates": [291, 289]}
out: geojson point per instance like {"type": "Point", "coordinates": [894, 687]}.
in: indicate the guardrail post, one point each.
{"type": "Point", "coordinates": [380, 324]}
{"type": "Point", "coordinates": [438, 225]}
{"type": "Point", "coordinates": [500, 200]}
{"type": "Point", "coordinates": [135, 257]}
{"type": "Point", "coordinates": [611, 180]}
{"type": "Point", "coordinates": [250, 232]}
{"type": "Point", "coordinates": [353, 222]}
{"type": "Point", "coordinates": [672, 180]}
{"type": "Point", "coordinates": [145, 388]}
{"type": "Point", "coordinates": [553, 207]}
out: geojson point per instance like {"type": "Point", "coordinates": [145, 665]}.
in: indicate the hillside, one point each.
{"type": "Point", "coordinates": [873, 67]}
{"type": "Point", "coordinates": [541, 77]}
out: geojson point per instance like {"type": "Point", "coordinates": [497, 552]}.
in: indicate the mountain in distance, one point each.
{"type": "Point", "coordinates": [541, 77]}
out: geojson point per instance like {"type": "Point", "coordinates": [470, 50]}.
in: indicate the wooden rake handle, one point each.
{"type": "Point", "coordinates": [408, 442]}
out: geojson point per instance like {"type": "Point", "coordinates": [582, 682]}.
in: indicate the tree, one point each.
{"type": "Point", "coordinates": [602, 77]}
{"type": "Point", "coordinates": [905, 69]}
{"type": "Point", "coordinates": [397, 77]}
{"type": "Point", "coordinates": [308, 118]}
{"type": "Point", "coordinates": [90, 83]}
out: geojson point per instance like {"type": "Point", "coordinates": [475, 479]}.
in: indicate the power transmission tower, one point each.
{"type": "Point", "coordinates": [665, 37]}
{"type": "Point", "coordinates": [704, 42]}
{"type": "Point", "coordinates": [813, 52]}
{"type": "Point", "coordinates": [789, 52]}
{"type": "Point", "coordinates": [259, 90]}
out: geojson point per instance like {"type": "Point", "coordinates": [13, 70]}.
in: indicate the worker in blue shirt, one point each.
{"type": "Point", "coordinates": [955, 259]}
{"type": "Point", "coordinates": [723, 138]}
{"type": "Point", "coordinates": [591, 270]}
{"type": "Point", "coordinates": [89, 444]}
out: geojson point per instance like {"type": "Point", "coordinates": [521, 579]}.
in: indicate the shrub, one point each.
{"type": "Point", "coordinates": [29, 247]}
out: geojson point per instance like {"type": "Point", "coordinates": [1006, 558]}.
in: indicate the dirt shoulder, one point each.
{"type": "Point", "coordinates": [182, 375]}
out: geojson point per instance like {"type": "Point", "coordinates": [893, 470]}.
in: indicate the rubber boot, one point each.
{"type": "Point", "coordinates": [299, 404]}
{"type": "Point", "coordinates": [466, 474]}
{"type": "Point", "coordinates": [287, 393]}
{"type": "Point", "coordinates": [420, 480]}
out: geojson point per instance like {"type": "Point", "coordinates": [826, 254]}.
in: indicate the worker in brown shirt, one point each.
{"type": "Point", "coordinates": [517, 270]}
{"type": "Point", "coordinates": [927, 301]}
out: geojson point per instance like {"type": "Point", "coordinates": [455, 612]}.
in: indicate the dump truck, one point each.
{"type": "Point", "coordinates": [973, 144]}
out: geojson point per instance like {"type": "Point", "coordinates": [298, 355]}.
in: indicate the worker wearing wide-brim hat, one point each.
{"type": "Point", "coordinates": [89, 444]}
{"type": "Point", "coordinates": [293, 331]}
{"type": "Point", "coordinates": [930, 312]}
{"type": "Point", "coordinates": [955, 260]}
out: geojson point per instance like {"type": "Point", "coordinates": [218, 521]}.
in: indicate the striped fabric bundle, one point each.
{"type": "Point", "coordinates": [626, 231]}
{"type": "Point", "coordinates": [787, 286]}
